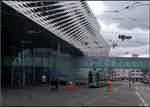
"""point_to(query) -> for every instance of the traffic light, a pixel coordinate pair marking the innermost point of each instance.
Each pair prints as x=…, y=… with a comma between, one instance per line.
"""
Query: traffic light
x=108, y=86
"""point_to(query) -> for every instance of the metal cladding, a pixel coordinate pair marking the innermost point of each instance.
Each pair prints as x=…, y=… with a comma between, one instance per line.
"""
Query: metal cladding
x=72, y=21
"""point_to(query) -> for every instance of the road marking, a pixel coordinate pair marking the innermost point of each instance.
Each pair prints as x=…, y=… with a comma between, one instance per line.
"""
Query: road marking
x=137, y=88
x=142, y=88
x=140, y=104
x=142, y=100
x=147, y=88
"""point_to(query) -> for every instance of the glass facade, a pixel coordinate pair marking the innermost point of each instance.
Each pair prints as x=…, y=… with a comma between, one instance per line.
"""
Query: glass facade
x=30, y=51
x=35, y=63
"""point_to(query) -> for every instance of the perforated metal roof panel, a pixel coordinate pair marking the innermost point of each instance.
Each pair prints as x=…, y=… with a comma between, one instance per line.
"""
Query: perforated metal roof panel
x=72, y=21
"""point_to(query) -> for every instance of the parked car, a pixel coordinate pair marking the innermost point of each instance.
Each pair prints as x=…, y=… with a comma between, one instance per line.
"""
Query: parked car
x=81, y=82
x=141, y=80
x=145, y=81
x=125, y=81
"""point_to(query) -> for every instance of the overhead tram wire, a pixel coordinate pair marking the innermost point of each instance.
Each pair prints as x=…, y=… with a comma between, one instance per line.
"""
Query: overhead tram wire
x=142, y=4
x=133, y=19
x=130, y=7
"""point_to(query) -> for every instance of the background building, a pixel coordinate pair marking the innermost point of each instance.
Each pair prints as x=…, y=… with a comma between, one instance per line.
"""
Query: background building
x=135, y=55
x=122, y=74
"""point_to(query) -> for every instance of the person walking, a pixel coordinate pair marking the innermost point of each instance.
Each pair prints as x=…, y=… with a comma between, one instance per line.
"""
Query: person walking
x=52, y=83
x=56, y=83
x=133, y=82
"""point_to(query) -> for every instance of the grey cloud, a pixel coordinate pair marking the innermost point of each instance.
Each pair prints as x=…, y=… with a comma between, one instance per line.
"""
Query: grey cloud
x=139, y=43
x=127, y=18
x=138, y=50
x=136, y=41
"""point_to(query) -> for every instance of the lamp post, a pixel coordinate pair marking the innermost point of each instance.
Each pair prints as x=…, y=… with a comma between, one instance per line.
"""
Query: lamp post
x=129, y=75
x=118, y=64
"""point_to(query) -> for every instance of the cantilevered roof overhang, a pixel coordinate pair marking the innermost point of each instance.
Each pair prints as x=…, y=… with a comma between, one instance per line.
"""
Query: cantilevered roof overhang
x=72, y=21
x=17, y=28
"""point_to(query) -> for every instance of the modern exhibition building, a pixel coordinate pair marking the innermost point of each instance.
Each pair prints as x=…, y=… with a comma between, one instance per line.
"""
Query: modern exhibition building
x=44, y=38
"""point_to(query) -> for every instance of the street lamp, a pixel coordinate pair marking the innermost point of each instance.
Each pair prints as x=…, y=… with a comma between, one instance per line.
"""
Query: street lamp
x=130, y=75
x=118, y=64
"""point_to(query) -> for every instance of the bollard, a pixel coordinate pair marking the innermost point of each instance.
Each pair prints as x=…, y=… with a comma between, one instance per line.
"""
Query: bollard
x=108, y=88
x=69, y=86
x=108, y=82
x=115, y=90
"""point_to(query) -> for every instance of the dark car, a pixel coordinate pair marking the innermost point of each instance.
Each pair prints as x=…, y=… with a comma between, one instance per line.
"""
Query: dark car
x=145, y=81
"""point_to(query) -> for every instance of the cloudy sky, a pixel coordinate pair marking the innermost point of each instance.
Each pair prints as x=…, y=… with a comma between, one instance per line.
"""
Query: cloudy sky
x=124, y=17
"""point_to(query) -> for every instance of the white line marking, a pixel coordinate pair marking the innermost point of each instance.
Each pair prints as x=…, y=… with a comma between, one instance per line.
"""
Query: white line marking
x=143, y=101
x=140, y=104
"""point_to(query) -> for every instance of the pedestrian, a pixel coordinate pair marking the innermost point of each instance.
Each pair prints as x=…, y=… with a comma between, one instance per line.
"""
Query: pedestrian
x=56, y=83
x=133, y=82
x=52, y=82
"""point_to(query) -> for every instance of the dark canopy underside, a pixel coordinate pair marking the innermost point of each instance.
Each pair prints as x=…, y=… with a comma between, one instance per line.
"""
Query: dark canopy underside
x=17, y=28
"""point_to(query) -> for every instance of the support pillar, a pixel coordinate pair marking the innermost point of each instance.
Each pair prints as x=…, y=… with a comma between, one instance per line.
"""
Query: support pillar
x=58, y=50
x=58, y=59
x=34, y=63
x=23, y=82
x=12, y=78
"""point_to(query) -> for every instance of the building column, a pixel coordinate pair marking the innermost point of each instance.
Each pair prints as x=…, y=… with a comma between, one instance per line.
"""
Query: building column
x=23, y=82
x=58, y=50
x=12, y=78
x=12, y=71
x=33, y=63
x=58, y=55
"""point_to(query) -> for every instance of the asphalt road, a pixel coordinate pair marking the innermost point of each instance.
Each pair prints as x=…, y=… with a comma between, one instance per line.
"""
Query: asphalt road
x=143, y=92
x=83, y=96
